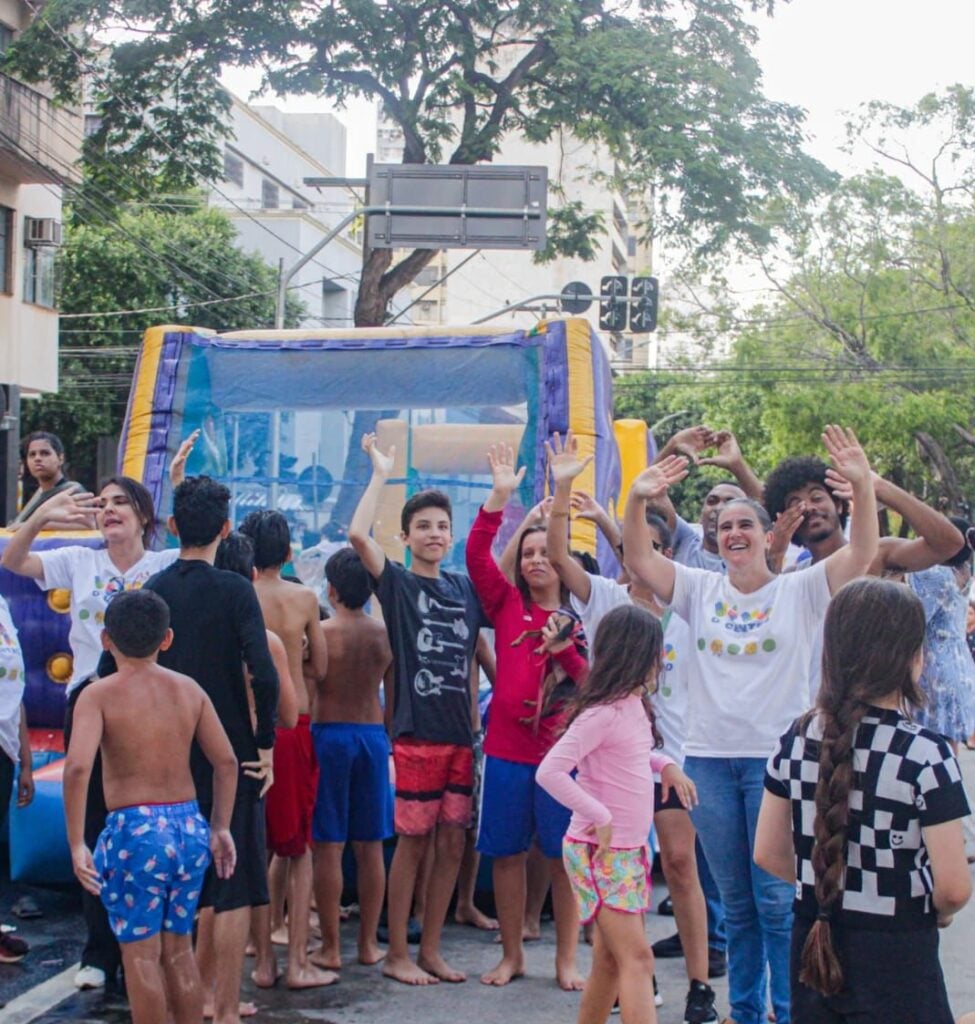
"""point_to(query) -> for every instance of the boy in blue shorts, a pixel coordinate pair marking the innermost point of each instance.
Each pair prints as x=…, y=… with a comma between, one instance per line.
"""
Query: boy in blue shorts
x=151, y=858
x=353, y=803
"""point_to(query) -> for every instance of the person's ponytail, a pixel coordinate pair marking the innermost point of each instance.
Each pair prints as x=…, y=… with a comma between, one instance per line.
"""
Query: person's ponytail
x=819, y=965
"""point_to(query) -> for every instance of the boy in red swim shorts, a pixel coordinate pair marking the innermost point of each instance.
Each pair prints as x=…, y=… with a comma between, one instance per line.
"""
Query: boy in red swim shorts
x=291, y=611
x=432, y=618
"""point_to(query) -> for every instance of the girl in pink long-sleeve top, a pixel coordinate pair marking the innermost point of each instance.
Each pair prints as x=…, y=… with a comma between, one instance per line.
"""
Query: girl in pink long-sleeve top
x=612, y=742
x=524, y=717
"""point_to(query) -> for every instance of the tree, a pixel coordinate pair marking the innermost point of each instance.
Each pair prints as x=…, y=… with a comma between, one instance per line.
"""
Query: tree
x=169, y=265
x=873, y=320
x=668, y=86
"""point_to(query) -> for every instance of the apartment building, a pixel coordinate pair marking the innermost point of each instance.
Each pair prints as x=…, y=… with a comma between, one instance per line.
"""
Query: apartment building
x=39, y=147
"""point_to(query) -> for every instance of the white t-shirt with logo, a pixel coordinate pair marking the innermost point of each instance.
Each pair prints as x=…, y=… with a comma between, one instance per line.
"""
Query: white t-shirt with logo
x=750, y=657
x=93, y=579
x=670, y=700
x=11, y=684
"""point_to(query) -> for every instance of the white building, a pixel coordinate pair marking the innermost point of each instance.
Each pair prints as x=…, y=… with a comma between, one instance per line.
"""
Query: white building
x=495, y=278
x=39, y=146
x=278, y=216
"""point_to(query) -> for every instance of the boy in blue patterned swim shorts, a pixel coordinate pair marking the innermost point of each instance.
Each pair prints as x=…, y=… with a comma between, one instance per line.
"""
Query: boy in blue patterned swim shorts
x=150, y=860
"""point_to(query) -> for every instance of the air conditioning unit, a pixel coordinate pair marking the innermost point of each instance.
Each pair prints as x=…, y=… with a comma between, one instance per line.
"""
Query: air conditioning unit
x=41, y=231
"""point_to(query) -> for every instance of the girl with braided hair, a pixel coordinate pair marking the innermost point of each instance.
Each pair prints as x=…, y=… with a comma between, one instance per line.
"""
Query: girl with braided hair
x=862, y=812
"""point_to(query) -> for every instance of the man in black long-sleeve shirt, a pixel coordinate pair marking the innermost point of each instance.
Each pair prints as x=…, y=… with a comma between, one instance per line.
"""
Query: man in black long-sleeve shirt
x=217, y=629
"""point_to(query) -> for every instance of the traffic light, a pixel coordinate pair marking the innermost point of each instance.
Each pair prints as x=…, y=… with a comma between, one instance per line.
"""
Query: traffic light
x=612, y=303
x=643, y=305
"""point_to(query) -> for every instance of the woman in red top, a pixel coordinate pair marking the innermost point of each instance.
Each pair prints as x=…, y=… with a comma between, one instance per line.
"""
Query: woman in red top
x=522, y=724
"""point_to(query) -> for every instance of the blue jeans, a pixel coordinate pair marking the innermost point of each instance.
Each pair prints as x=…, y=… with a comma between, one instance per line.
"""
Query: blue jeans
x=757, y=906
x=712, y=900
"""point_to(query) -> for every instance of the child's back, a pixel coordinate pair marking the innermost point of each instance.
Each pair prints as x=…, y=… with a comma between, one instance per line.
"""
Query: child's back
x=359, y=656
x=149, y=723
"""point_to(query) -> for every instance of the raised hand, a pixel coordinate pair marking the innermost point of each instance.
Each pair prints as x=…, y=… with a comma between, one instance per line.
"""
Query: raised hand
x=504, y=478
x=728, y=454
x=539, y=513
x=850, y=464
x=585, y=506
x=74, y=509
x=785, y=525
x=564, y=461
x=382, y=464
x=655, y=480
x=690, y=442
x=177, y=468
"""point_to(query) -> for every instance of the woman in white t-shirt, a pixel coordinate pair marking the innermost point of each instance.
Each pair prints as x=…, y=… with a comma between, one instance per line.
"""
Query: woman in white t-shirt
x=751, y=634
x=124, y=514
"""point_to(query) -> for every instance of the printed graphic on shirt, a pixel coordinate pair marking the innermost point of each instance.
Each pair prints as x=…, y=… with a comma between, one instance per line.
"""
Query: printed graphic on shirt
x=739, y=623
x=670, y=663
x=443, y=632
x=105, y=588
x=10, y=659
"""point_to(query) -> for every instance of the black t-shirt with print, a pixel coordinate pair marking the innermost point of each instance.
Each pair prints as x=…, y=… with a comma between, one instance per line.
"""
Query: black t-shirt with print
x=433, y=625
x=905, y=779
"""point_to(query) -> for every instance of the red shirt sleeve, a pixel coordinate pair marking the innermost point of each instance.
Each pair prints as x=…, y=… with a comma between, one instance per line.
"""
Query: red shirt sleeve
x=492, y=586
x=575, y=665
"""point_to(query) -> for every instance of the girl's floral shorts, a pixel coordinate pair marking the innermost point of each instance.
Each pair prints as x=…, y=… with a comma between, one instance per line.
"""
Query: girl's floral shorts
x=619, y=879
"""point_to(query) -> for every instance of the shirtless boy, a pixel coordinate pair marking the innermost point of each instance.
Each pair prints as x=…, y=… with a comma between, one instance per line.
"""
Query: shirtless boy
x=290, y=611
x=354, y=803
x=150, y=860
x=432, y=619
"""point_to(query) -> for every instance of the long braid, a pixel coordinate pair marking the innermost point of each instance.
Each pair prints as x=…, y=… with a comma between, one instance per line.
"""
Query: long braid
x=820, y=967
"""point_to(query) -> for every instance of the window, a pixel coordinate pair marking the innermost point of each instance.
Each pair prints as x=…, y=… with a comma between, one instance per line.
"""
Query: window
x=92, y=123
x=39, y=276
x=270, y=195
x=297, y=203
x=6, y=250
x=619, y=260
x=233, y=168
x=6, y=37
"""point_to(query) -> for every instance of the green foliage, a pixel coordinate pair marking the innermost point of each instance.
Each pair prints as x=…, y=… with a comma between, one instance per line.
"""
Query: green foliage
x=874, y=326
x=668, y=88
x=146, y=260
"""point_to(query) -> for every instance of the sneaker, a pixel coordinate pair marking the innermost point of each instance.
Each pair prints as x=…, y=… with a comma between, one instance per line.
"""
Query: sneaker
x=717, y=963
x=89, y=977
x=658, y=999
x=700, y=1007
x=666, y=907
x=669, y=948
x=12, y=950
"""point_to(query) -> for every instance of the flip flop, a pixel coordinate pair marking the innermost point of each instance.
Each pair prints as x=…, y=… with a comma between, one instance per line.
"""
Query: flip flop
x=25, y=908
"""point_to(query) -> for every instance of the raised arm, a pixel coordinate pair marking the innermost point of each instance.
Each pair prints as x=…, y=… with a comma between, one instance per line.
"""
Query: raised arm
x=936, y=538
x=75, y=509
x=565, y=465
x=217, y=750
x=643, y=563
x=86, y=736
x=850, y=466
x=360, y=529
x=729, y=457
x=585, y=506
x=177, y=468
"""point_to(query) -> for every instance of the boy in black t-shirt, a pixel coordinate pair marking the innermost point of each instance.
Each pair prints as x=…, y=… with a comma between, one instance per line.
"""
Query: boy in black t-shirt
x=432, y=618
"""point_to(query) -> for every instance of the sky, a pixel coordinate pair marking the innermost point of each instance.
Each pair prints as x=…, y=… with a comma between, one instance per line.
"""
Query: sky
x=827, y=56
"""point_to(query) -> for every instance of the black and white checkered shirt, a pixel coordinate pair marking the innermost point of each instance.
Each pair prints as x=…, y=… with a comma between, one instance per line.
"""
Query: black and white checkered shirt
x=905, y=778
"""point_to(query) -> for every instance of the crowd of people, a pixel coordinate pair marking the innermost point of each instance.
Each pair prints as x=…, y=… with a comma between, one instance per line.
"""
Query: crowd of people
x=777, y=693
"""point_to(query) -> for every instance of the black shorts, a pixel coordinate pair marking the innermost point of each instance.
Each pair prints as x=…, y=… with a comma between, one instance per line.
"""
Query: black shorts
x=673, y=800
x=247, y=886
x=889, y=976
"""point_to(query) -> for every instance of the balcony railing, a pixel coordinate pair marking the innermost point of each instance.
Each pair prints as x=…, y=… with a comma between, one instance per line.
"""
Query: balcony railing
x=39, y=141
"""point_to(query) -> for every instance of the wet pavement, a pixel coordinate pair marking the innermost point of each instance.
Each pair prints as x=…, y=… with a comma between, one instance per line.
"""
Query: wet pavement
x=364, y=997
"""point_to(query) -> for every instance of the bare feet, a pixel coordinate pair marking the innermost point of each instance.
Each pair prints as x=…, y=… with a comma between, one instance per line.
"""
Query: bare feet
x=507, y=970
x=329, y=959
x=280, y=936
x=439, y=968
x=310, y=976
x=407, y=972
x=472, y=916
x=265, y=973
x=244, y=1010
x=568, y=977
x=370, y=953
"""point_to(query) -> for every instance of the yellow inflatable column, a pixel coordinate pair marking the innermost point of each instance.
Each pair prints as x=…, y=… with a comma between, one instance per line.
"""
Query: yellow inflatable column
x=631, y=439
